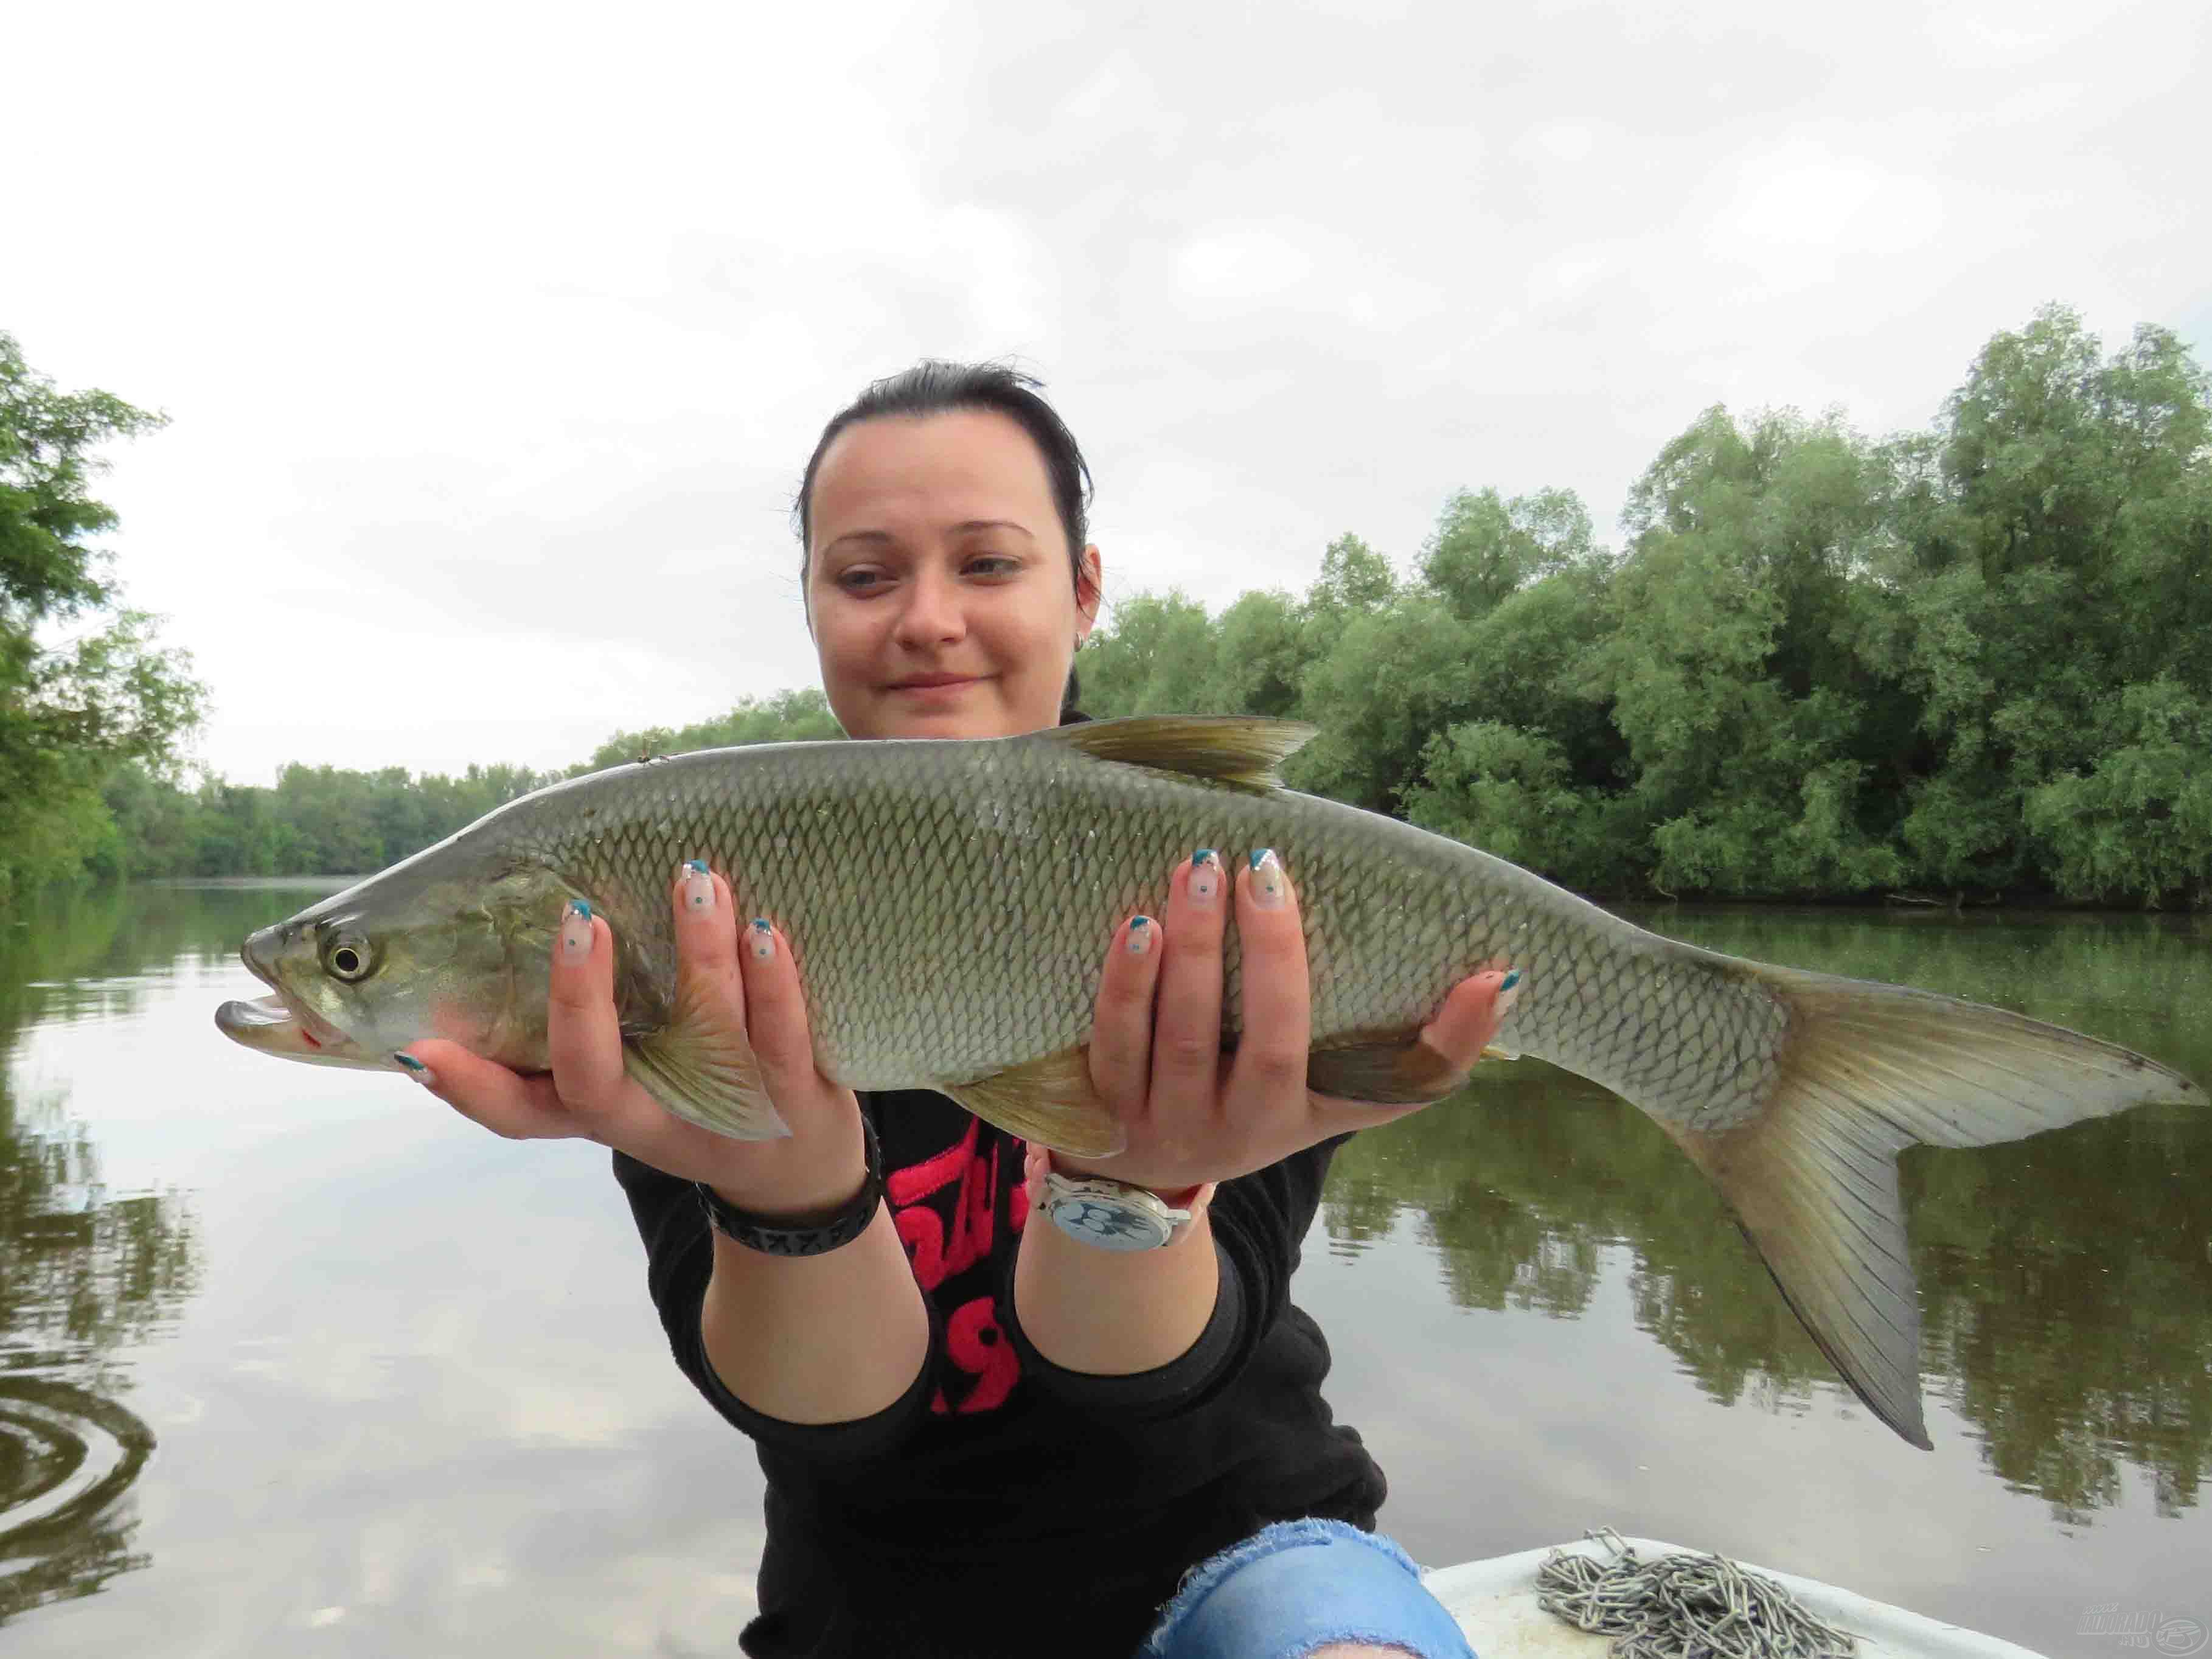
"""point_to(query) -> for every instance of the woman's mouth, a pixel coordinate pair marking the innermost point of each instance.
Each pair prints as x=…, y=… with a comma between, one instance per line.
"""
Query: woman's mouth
x=935, y=682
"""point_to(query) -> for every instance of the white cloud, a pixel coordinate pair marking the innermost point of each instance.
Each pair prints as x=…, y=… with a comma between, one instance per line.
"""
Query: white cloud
x=1244, y=262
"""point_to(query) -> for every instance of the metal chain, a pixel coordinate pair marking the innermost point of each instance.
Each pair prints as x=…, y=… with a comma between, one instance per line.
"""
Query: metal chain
x=1683, y=1606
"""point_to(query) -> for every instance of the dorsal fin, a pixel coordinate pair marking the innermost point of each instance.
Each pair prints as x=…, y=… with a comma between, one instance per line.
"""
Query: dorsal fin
x=1241, y=750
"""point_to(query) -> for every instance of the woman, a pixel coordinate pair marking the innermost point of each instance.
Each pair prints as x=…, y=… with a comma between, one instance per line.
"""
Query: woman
x=983, y=1432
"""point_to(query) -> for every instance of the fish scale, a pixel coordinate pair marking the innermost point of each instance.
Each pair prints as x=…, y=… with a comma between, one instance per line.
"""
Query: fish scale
x=950, y=904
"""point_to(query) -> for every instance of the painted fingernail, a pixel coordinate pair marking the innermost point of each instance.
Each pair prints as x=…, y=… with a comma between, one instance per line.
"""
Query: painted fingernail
x=1140, y=936
x=1268, y=888
x=698, y=888
x=416, y=1069
x=764, y=939
x=1205, y=875
x=576, y=932
x=1509, y=993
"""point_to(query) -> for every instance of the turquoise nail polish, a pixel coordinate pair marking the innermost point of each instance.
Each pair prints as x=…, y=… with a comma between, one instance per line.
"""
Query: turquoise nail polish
x=1510, y=980
x=696, y=867
x=1204, y=855
x=759, y=925
x=580, y=909
x=410, y=1062
x=1136, y=922
x=1260, y=857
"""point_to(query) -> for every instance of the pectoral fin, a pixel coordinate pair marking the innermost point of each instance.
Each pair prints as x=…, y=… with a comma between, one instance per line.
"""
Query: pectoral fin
x=1050, y=1100
x=1398, y=1070
x=700, y=1079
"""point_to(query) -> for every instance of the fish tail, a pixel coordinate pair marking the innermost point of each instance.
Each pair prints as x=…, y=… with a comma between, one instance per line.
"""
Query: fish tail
x=1863, y=1070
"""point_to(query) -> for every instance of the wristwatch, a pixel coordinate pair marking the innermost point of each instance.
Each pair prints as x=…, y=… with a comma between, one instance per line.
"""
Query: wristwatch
x=1110, y=1215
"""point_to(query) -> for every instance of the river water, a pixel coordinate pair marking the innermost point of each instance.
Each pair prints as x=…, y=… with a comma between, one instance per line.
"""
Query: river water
x=294, y=1361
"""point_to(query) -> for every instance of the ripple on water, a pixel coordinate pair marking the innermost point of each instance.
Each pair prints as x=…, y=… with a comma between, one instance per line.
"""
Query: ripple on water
x=66, y=1456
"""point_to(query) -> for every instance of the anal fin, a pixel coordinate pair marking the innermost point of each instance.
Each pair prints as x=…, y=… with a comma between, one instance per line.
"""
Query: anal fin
x=702, y=1081
x=1050, y=1100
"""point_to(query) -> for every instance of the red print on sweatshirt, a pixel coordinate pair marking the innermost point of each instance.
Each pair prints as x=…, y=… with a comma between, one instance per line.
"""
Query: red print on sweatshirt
x=947, y=1209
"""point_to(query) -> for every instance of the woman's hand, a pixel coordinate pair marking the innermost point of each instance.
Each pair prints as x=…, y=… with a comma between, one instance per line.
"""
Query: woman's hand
x=1191, y=1114
x=734, y=981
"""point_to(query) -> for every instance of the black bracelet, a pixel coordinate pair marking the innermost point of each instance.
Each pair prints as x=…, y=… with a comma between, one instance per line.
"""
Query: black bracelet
x=800, y=1238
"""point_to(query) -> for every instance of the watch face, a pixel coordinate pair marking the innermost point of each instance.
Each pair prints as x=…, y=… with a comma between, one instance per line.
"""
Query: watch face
x=1108, y=1224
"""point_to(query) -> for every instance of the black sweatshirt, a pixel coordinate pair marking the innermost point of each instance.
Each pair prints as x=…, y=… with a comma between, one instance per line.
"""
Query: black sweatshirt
x=1005, y=1506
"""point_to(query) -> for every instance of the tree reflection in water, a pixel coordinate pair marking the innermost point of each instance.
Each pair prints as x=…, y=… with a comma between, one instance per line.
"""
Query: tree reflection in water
x=2066, y=1281
x=82, y=1275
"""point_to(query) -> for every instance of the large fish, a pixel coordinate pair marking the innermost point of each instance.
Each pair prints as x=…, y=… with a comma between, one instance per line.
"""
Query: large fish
x=949, y=903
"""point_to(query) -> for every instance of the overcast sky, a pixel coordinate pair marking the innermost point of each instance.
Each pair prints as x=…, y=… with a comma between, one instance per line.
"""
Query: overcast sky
x=493, y=339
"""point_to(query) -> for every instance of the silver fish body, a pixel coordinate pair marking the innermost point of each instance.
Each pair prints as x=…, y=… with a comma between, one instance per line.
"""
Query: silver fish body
x=948, y=904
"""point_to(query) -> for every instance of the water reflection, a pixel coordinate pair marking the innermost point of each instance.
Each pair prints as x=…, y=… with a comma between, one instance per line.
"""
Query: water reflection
x=83, y=1275
x=2066, y=1280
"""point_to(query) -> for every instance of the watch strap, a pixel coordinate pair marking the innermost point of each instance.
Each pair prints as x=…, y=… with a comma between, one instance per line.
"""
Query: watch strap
x=802, y=1236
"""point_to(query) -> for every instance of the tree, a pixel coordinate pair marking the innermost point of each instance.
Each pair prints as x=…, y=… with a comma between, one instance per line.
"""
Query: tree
x=71, y=712
x=2053, y=555
x=1154, y=658
x=1485, y=547
x=1261, y=649
x=1734, y=665
x=1355, y=580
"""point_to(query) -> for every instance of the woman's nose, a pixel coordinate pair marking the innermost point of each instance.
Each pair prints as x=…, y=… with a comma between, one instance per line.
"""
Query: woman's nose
x=932, y=615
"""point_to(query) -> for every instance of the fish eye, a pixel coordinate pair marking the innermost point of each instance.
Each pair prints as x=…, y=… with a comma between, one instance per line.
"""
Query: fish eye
x=348, y=957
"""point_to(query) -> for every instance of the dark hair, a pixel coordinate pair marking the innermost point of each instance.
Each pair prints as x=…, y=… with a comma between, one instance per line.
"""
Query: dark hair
x=936, y=386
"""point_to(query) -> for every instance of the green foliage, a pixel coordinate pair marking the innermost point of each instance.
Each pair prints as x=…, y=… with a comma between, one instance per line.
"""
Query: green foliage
x=1487, y=548
x=1511, y=791
x=2139, y=823
x=1391, y=676
x=70, y=713
x=2053, y=543
x=1262, y=647
x=1355, y=580
x=1734, y=668
x=1156, y=657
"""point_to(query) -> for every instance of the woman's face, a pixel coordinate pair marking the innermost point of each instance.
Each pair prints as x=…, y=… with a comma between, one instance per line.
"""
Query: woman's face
x=939, y=583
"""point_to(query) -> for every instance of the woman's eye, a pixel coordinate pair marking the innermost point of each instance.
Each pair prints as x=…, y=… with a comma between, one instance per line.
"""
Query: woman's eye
x=858, y=582
x=993, y=564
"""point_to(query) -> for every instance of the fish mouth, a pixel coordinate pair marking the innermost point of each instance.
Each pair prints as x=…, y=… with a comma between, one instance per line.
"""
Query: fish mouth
x=270, y=1026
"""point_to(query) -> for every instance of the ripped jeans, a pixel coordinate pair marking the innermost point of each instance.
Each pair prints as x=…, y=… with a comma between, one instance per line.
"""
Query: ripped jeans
x=1299, y=1585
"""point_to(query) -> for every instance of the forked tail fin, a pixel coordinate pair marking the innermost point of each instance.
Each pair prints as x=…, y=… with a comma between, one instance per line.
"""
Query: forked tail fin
x=1866, y=1071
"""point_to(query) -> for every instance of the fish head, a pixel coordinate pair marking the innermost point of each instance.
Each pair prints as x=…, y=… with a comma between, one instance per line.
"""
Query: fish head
x=431, y=948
